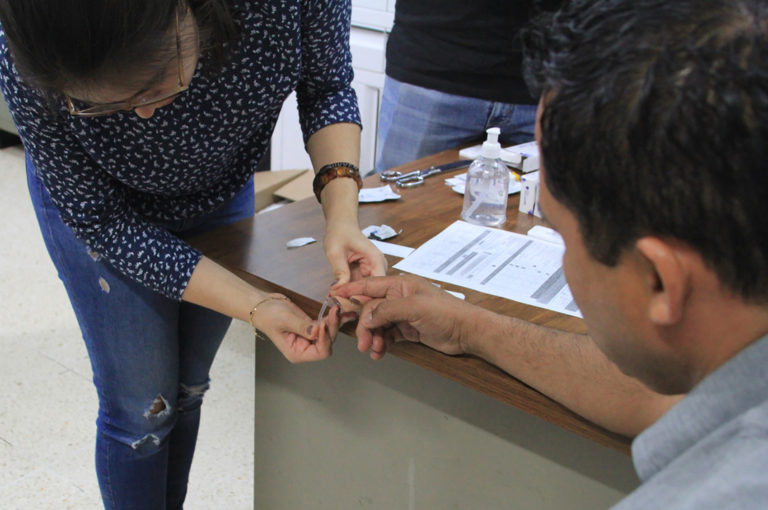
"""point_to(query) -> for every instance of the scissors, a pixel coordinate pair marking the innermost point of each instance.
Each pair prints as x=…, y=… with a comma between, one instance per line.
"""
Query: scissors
x=416, y=178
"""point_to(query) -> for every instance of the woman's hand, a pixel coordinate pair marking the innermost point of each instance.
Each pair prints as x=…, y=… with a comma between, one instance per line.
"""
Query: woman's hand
x=351, y=255
x=296, y=336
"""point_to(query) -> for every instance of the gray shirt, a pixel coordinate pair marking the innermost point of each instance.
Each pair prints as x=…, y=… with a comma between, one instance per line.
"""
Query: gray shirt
x=711, y=449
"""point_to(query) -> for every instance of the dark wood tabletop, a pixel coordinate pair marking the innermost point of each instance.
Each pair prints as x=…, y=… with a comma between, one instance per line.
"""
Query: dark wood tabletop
x=255, y=249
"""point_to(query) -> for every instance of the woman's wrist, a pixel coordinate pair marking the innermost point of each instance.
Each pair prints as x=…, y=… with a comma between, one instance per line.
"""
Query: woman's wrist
x=342, y=221
x=256, y=312
x=340, y=201
x=333, y=171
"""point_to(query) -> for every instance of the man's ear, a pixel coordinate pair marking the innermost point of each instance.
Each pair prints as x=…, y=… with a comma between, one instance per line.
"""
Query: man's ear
x=668, y=280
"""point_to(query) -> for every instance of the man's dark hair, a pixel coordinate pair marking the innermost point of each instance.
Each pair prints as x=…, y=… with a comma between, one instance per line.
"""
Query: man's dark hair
x=655, y=122
x=64, y=43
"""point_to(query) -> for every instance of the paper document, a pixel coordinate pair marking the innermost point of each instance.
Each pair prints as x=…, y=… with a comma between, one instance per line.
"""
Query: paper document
x=496, y=262
x=392, y=249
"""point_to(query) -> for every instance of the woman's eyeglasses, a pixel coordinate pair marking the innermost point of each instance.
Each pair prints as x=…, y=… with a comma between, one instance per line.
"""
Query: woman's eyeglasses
x=110, y=108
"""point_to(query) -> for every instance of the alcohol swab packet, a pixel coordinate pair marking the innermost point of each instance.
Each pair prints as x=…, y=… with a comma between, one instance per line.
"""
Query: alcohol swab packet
x=379, y=232
x=300, y=241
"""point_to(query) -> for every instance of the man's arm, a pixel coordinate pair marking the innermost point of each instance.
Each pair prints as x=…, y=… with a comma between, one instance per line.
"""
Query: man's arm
x=567, y=367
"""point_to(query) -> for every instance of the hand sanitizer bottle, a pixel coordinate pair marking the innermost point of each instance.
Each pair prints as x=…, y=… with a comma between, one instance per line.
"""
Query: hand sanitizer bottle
x=487, y=187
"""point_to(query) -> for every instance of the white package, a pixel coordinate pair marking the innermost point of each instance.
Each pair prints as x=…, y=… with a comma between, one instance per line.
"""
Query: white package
x=529, y=194
x=524, y=157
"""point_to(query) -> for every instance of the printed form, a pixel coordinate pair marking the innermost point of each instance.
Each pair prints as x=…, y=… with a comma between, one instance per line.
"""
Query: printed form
x=497, y=262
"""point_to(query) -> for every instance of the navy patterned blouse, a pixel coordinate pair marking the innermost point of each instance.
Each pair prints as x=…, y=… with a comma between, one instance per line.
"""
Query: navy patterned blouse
x=114, y=178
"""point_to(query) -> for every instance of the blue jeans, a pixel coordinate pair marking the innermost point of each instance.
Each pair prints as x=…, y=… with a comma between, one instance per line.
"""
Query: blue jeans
x=150, y=357
x=415, y=122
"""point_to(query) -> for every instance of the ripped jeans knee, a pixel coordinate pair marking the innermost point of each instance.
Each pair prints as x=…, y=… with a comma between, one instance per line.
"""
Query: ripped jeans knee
x=191, y=396
x=159, y=417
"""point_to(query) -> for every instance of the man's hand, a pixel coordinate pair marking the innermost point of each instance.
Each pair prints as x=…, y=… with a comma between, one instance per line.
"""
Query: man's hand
x=397, y=308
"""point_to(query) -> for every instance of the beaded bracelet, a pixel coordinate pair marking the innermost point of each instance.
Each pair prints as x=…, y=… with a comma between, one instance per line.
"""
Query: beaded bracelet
x=331, y=172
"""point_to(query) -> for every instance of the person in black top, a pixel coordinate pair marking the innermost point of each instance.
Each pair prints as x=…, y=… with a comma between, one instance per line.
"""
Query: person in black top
x=454, y=69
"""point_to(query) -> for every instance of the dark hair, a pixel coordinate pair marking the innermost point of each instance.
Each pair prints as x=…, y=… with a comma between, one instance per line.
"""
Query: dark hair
x=92, y=42
x=655, y=121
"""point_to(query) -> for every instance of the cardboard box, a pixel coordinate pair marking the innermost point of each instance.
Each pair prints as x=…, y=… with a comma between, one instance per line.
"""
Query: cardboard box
x=298, y=188
x=267, y=183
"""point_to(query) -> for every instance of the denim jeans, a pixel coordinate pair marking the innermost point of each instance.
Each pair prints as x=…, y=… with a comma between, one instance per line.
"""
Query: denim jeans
x=150, y=357
x=415, y=122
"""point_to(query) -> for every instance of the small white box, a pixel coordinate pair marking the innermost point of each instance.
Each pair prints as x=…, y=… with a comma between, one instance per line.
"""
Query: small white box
x=529, y=194
x=523, y=157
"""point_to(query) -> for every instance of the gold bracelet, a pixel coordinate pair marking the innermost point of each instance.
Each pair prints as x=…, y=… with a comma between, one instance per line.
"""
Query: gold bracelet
x=260, y=335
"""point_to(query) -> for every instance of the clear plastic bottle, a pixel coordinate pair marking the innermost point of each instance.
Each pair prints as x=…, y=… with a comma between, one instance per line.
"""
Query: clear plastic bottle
x=487, y=187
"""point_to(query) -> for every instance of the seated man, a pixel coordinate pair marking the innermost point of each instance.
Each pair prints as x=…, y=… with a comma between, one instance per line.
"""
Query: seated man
x=652, y=127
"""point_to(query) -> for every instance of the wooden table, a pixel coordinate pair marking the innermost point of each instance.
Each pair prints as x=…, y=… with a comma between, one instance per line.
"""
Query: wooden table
x=255, y=249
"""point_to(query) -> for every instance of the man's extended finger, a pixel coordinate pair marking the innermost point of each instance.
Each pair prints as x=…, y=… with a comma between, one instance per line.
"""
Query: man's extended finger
x=347, y=305
x=376, y=287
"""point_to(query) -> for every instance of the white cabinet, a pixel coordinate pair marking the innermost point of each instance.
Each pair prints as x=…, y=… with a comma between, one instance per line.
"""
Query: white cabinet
x=375, y=14
x=368, y=47
x=368, y=60
x=287, y=148
x=369, y=98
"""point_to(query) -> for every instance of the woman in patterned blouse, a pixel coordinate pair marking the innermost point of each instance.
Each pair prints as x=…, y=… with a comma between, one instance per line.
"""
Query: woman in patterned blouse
x=143, y=122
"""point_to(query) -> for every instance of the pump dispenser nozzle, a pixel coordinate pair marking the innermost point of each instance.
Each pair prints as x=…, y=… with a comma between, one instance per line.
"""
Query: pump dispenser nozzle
x=485, y=194
x=491, y=147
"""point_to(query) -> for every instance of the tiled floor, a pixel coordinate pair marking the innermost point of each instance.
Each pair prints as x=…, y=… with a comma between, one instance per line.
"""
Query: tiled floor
x=48, y=403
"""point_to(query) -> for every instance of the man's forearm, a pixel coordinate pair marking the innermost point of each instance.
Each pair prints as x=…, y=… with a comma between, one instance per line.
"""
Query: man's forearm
x=568, y=368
